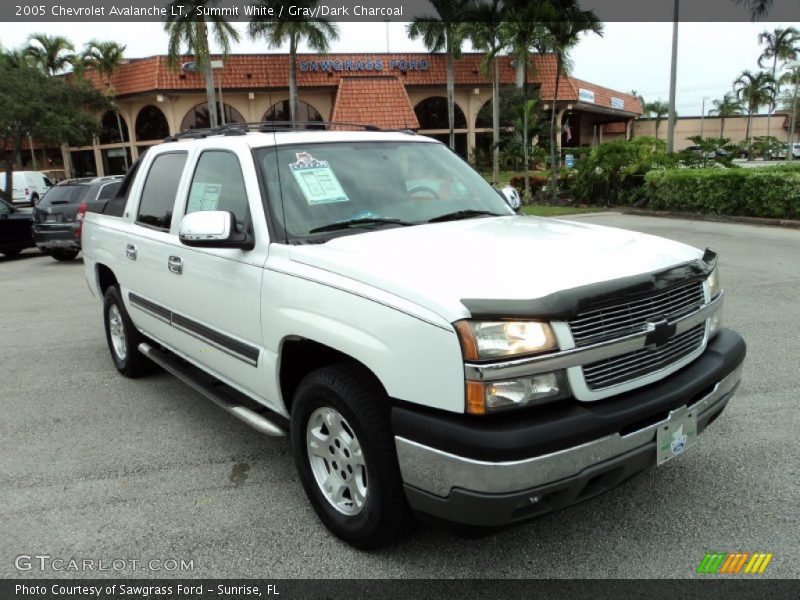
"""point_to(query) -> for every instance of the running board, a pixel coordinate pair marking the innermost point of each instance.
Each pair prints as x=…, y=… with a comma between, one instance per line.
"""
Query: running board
x=190, y=376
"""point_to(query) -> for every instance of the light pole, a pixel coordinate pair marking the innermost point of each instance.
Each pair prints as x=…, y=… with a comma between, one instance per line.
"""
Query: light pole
x=672, y=77
x=795, y=70
x=702, y=115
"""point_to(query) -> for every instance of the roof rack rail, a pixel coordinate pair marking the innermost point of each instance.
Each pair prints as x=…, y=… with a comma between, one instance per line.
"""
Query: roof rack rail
x=272, y=126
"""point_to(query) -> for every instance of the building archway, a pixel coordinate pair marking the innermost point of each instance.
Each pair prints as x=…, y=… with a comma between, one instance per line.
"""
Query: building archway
x=151, y=124
x=432, y=114
x=109, y=129
x=199, y=118
x=280, y=112
x=433, y=122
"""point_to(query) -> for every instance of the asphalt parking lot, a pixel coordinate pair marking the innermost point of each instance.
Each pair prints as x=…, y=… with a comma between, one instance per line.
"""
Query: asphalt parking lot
x=96, y=466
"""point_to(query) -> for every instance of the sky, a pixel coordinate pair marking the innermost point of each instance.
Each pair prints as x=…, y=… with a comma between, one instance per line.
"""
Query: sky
x=629, y=56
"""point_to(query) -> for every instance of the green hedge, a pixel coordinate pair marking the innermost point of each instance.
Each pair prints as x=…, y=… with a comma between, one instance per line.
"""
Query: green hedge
x=771, y=193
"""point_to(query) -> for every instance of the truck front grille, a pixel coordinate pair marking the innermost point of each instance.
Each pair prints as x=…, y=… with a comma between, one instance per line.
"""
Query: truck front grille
x=631, y=317
x=640, y=363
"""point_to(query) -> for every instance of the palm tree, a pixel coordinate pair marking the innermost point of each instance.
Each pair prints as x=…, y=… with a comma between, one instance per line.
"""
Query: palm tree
x=757, y=8
x=485, y=31
x=658, y=110
x=779, y=45
x=52, y=54
x=293, y=29
x=105, y=58
x=184, y=29
x=445, y=33
x=524, y=33
x=565, y=32
x=727, y=106
x=754, y=90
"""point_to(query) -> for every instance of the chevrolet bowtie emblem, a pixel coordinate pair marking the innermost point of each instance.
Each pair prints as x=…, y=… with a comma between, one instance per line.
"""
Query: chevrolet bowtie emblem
x=659, y=332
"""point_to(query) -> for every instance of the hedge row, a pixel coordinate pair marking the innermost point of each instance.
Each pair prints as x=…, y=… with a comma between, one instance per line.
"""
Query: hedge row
x=770, y=193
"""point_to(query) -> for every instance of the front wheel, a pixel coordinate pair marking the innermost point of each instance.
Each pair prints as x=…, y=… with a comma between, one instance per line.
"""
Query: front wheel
x=122, y=337
x=65, y=255
x=345, y=454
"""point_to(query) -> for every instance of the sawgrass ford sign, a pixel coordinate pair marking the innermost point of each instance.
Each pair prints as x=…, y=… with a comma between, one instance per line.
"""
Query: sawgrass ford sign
x=365, y=64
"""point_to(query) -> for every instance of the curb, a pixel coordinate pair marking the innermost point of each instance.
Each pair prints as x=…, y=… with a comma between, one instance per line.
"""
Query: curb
x=787, y=223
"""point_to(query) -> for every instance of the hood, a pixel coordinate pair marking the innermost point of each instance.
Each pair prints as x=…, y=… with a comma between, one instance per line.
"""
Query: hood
x=512, y=258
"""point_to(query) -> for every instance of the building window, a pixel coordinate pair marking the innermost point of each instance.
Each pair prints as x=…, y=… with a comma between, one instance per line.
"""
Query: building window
x=198, y=117
x=151, y=124
x=83, y=163
x=109, y=128
x=432, y=114
x=114, y=160
x=280, y=112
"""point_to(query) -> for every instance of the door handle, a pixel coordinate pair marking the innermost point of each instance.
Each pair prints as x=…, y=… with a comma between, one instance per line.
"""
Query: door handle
x=175, y=264
x=131, y=251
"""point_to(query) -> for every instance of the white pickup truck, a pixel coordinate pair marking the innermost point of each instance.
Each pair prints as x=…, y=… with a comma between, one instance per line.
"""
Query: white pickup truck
x=426, y=349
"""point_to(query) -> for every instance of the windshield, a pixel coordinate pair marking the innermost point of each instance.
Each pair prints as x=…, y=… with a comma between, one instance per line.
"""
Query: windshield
x=353, y=187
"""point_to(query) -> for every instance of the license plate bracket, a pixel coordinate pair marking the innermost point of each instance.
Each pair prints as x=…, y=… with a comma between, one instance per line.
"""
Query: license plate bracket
x=677, y=434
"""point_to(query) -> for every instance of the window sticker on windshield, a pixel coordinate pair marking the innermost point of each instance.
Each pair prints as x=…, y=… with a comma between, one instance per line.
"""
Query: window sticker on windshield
x=317, y=180
x=204, y=196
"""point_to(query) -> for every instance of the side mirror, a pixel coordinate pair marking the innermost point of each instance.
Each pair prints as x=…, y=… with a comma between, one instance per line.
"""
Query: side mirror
x=511, y=196
x=213, y=229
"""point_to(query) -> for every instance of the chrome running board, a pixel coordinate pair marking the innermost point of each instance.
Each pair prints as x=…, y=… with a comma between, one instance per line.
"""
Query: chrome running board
x=191, y=376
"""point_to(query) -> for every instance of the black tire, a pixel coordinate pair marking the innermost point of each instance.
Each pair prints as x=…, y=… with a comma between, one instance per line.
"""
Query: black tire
x=133, y=363
x=11, y=253
x=64, y=255
x=354, y=394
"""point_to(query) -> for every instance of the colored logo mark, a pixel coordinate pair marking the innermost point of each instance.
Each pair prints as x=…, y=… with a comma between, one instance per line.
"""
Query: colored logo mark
x=734, y=562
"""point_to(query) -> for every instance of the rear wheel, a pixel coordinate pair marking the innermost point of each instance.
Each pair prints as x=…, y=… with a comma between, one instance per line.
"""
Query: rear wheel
x=345, y=454
x=122, y=337
x=65, y=255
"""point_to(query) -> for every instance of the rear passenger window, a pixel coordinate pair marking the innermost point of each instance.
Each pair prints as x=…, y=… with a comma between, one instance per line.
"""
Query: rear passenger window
x=160, y=189
x=218, y=184
x=109, y=190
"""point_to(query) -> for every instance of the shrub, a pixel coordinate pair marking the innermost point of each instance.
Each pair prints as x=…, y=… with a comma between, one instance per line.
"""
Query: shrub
x=613, y=173
x=770, y=192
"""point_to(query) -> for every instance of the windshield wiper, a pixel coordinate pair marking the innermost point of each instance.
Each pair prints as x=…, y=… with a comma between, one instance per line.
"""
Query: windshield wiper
x=357, y=223
x=463, y=214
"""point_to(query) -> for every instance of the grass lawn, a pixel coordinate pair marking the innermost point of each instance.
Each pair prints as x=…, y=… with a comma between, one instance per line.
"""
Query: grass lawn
x=558, y=211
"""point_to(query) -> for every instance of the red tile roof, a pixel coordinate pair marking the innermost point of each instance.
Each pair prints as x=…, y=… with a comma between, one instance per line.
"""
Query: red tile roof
x=270, y=71
x=376, y=100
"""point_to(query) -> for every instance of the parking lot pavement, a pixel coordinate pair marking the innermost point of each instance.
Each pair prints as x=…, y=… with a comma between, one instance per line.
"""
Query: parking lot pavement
x=96, y=466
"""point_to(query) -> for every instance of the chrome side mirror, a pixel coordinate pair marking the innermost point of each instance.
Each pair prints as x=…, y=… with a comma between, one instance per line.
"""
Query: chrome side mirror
x=511, y=196
x=212, y=229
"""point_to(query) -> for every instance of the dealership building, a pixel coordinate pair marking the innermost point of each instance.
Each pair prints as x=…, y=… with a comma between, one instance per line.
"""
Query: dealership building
x=402, y=91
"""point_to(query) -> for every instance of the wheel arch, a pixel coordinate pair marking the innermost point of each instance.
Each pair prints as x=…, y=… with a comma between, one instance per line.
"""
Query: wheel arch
x=300, y=356
x=105, y=278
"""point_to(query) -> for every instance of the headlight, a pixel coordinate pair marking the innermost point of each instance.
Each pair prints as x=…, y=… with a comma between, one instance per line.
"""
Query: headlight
x=714, y=284
x=714, y=288
x=485, y=340
x=496, y=396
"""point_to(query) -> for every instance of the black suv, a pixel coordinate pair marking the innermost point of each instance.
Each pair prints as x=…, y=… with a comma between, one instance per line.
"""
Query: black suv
x=15, y=229
x=58, y=217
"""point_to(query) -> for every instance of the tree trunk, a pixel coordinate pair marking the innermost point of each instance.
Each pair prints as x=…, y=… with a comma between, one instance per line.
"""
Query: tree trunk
x=747, y=136
x=18, y=151
x=721, y=127
x=525, y=150
x=553, y=134
x=770, y=105
x=292, y=78
x=9, y=169
x=451, y=117
x=496, y=123
x=209, y=77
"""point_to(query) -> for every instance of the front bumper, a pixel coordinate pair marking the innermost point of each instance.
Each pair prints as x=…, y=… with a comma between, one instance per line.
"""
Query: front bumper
x=516, y=469
x=56, y=237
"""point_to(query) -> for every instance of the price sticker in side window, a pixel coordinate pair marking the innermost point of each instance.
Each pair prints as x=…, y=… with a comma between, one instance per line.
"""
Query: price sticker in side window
x=317, y=180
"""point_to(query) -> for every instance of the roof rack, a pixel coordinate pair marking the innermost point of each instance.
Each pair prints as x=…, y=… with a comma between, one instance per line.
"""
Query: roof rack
x=272, y=126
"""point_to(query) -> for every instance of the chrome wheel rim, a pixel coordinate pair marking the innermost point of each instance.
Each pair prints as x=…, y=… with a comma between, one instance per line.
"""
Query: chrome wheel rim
x=337, y=461
x=116, y=329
